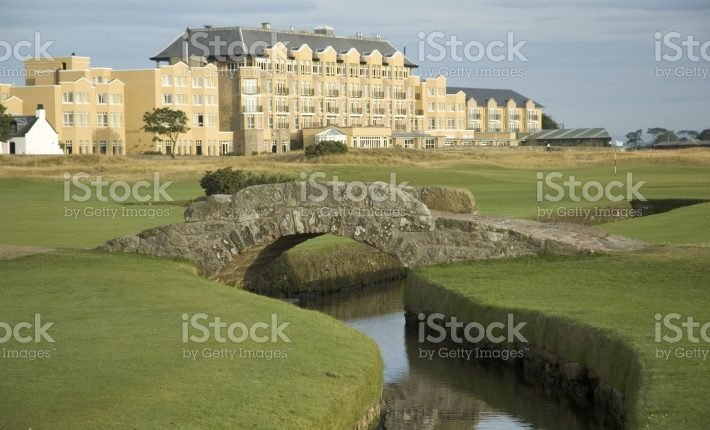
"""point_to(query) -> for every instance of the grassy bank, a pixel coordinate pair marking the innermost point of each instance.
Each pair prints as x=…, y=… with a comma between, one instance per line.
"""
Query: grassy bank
x=591, y=310
x=327, y=264
x=118, y=359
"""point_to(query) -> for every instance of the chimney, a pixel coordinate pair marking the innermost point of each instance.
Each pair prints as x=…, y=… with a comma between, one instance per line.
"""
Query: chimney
x=185, y=51
x=266, y=26
x=40, y=112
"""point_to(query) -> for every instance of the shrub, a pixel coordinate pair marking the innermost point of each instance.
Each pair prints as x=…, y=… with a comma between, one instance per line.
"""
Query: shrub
x=325, y=147
x=228, y=181
x=152, y=153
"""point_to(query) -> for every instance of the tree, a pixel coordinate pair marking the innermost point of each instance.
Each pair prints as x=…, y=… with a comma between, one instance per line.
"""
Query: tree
x=687, y=134
x=5, y=120
x=633, y=138
x=168, y=123
x=655, y=132
x=666, y=136
x=704, y=135
x=548, y=123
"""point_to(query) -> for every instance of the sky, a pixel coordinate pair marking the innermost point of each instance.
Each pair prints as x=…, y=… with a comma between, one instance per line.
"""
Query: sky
x=590, y=63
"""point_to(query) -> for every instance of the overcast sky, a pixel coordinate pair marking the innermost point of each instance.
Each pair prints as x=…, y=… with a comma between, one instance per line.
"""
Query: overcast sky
x=590, y=63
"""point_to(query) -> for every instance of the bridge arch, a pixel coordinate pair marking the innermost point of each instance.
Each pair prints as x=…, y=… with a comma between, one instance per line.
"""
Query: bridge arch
x=223, y=233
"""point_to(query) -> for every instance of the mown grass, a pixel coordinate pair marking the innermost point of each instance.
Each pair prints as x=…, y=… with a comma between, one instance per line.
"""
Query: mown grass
x=582, y=307
x=118, y=357
x=684, y=225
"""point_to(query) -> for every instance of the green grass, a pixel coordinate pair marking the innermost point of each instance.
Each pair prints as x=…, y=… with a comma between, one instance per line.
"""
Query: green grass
x=118, y=357
x=684, y=225
x=587, y=309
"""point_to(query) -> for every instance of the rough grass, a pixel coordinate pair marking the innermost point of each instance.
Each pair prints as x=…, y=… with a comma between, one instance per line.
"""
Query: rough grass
x=118, y=357
x=582, y=307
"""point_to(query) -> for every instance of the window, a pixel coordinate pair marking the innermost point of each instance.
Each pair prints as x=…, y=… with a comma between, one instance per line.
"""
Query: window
x=167, y=99
x=430, y=144
x=68, y=147
x=180, y=99
x=116, y=119
x=197, y=82
x=432, y=123
x=167, y=81
x=68, y=119
x=197, y=99
x=180, y=81
x=102, y=119
x=116, y=99
x=211, y=120
x=68, y=97
x=82, y=98
x=198, y=120
x=82, y=119
x=101, y=98
x=409, y=143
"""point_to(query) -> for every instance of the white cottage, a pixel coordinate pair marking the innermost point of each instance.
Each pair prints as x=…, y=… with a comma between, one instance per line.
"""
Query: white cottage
x=32, y=135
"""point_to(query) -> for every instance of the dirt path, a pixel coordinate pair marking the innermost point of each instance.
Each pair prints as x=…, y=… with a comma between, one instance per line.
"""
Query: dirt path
x=8, y=252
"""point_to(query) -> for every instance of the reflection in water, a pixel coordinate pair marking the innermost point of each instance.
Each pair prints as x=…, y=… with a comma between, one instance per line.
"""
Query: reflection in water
x=441, y=393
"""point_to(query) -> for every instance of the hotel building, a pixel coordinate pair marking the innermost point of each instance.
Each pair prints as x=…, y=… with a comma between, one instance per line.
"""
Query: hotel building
x=256, y=90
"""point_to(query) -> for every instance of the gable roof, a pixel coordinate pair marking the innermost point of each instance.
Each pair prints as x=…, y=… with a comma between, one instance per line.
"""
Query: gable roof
x=23, y=125
x=256, y=40
x=571, y=133
x=501, y=96
x=331, y=131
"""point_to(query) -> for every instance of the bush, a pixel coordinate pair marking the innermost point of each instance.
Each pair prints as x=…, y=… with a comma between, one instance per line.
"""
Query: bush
x=325, y=147
x=228, y=181
x=152, y=153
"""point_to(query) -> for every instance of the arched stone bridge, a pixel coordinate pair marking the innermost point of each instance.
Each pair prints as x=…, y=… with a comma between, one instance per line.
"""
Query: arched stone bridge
x=235, y=237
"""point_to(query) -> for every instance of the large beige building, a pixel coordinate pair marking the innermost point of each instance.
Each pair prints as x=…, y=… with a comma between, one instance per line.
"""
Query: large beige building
x=256, y=90
x=179, y=86
x=279, y=89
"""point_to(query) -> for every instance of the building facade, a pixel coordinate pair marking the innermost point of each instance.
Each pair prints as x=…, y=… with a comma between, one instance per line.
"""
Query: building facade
x=278, y=89
x=257, y=90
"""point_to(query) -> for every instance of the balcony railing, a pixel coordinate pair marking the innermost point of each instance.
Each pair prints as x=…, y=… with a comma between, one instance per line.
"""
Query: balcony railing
x=282, y=109
x=281, y=91
x=378, y=111
x=308, y=92
x=308, y=109
x=251, y=90
x=400, y=95
x=378, y=94
x=355, y=111
x=332, y=93
x=332, y=111
x=400, y=112
x=356, y=94
x=252, y=109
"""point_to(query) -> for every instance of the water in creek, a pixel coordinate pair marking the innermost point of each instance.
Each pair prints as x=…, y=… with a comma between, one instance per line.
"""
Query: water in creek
x=442, y=393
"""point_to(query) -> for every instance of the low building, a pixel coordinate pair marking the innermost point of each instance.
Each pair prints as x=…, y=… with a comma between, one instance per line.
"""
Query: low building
x=32, y=135
x=569, y=137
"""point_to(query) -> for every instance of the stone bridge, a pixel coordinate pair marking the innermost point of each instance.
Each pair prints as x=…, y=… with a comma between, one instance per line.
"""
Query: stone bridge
x=234, y=238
